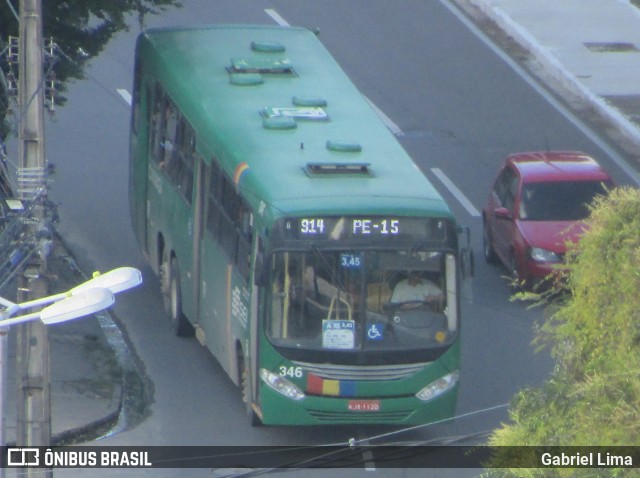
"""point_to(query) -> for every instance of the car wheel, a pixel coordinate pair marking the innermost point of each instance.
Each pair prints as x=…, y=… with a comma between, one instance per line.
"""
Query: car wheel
x=487, y=246
x=514, y=276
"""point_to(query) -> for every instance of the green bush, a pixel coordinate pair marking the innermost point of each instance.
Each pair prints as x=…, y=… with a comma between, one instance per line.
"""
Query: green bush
x=593, y=395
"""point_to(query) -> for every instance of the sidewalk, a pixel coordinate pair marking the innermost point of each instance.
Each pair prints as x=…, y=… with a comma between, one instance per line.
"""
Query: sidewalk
x=86, y=376
x=586, y=49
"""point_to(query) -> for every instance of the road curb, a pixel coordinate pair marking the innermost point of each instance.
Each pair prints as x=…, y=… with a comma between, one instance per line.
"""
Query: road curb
x=553, y=67
x=135, y=390
x=82, y=389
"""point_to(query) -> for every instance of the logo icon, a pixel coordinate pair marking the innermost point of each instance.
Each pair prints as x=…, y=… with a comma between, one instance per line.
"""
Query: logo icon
x=375, y=331
x=23, y=457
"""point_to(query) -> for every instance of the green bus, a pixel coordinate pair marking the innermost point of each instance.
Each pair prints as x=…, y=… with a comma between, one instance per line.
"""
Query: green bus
x=281, y=215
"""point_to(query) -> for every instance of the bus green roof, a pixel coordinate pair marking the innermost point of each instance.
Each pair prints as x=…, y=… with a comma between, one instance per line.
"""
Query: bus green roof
x=286, y=121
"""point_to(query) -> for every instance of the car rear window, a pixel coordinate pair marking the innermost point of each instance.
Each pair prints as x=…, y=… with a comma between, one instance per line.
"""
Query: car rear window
x=559, y=201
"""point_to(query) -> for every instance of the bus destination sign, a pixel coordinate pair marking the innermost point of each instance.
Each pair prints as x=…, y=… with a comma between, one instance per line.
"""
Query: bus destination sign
x=353, y=227
x=357, y=226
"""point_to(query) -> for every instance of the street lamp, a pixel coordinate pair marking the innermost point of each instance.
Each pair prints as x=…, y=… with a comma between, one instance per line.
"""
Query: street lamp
x=116, y=280
x=90, y=297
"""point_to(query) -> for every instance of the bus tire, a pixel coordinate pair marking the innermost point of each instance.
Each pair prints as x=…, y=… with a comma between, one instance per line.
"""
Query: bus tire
x=254, y=419
x=165, y=283
x=180, y=324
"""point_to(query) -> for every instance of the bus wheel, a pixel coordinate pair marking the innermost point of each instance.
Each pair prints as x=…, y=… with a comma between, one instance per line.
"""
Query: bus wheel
x=254, y=419
x=165, y=284
x=181, y=326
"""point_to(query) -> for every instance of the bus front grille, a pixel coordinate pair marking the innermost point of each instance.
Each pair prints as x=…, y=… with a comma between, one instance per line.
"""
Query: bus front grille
x=362, y=372
x=351, y=417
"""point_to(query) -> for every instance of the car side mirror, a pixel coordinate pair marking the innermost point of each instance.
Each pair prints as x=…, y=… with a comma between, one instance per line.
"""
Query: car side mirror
x=502, y=213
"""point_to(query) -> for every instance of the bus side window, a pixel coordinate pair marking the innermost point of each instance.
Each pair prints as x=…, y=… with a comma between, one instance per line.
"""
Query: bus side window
x=244, y=225
x=260, y=272
x=137, y=92
x=184, y=159
x=229, y=220
x=213, y=199
x=156, y=123
x=228, y=231
x=167, y=142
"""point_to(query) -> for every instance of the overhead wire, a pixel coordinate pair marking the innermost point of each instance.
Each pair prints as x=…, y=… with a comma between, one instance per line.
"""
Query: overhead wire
x=352, y=454
x=89, y=76
x=13, y=10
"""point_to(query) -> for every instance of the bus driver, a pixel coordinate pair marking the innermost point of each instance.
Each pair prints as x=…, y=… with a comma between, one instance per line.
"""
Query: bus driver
x=415, y=288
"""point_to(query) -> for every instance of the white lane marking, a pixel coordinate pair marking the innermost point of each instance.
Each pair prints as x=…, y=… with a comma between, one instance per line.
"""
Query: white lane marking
x=276, y=17
x=126, y=96
x=369, y=465
x=453, y=189
x=385, y=119
x=394, y=128
x=588, y=132
x=367, y=455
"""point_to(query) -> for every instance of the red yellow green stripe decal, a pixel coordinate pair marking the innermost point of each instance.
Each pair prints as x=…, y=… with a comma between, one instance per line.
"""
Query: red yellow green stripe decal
x=337, y=388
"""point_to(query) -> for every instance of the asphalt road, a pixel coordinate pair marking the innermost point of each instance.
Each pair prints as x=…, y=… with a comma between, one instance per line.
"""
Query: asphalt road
x=456, y=106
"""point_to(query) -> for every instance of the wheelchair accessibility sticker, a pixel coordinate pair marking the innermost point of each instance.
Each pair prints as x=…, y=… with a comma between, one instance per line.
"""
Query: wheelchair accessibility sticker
x=375, y=331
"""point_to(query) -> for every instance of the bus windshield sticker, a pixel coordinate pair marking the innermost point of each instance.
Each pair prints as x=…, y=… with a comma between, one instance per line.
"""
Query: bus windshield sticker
x=375, y=331
x=350, y=261
x=338, y=334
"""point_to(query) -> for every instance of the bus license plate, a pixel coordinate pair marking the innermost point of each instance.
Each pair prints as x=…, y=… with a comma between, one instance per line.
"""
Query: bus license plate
x=364, y=405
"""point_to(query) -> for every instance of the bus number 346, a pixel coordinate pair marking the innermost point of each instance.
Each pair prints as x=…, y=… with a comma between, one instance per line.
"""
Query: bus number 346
x=294, y=372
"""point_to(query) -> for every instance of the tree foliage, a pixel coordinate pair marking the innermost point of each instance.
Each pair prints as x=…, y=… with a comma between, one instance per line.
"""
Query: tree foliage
x=593, y=395
x=80, y=28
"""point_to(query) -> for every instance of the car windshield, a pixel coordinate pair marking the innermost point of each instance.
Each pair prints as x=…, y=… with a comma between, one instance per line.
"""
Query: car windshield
x=559, y=201
x=363, y=300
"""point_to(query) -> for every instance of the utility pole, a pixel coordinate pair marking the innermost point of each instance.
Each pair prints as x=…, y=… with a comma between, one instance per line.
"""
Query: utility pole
x=34, y=406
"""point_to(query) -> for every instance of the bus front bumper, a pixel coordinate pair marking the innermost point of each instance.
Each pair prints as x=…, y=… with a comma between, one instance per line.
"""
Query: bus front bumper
x=315, y=410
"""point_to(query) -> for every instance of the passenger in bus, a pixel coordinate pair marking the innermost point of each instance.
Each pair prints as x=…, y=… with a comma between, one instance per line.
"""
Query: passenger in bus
x=416, y=289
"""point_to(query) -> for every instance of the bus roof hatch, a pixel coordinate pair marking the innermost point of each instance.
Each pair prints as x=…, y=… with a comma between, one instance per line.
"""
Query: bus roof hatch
x=280, y=66
x=338, y=169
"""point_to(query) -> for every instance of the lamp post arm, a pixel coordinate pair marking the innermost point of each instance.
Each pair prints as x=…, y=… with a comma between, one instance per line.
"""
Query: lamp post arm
x=6, y=303
x=116, y=280
x=35, y=303
x=20, y=319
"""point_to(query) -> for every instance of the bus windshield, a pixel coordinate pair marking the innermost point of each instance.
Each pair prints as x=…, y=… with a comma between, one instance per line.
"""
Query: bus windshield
x=363, y=302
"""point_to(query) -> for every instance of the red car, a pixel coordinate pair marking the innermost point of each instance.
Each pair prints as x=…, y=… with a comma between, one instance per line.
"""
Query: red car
x=537, y=204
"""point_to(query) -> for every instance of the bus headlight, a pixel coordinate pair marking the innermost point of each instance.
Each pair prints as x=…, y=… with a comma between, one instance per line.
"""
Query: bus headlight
x=281, y=385
x=438, y=387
